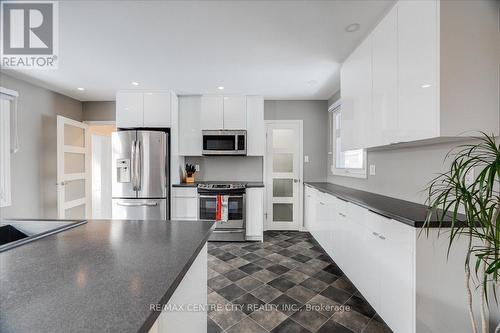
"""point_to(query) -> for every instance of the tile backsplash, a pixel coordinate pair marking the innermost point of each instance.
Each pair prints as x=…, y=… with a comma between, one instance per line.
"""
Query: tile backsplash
x=228, y=168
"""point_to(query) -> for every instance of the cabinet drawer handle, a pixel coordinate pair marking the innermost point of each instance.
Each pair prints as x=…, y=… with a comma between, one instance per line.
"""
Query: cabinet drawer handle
x=381, y=237
x=343, y=215
x=376, y=234
x=321, y=203
x=379, y=214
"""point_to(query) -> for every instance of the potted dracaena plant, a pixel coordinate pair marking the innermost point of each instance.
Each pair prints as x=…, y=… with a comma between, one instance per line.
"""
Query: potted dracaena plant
x=473, y=207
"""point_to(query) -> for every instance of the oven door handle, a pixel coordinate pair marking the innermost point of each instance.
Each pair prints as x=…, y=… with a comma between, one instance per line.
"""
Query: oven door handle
x=215, y=196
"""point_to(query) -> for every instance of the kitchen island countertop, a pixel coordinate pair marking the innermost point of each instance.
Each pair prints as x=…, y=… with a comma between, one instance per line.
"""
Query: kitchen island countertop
x=100, y=276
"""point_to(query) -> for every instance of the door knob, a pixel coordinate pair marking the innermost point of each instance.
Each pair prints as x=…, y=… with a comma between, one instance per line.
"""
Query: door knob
x=295, y=180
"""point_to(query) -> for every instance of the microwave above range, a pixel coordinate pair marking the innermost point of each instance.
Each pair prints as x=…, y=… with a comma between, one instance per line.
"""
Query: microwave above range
x=224, y=142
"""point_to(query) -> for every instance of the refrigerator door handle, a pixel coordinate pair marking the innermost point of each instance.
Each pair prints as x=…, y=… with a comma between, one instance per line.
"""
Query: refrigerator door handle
x=131, y=204
x=133, y=165
x=138, y=161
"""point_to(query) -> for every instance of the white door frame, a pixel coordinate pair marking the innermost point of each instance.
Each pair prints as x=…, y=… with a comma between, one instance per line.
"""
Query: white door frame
x=267, y=222
x=99, y=122
x=94, y=123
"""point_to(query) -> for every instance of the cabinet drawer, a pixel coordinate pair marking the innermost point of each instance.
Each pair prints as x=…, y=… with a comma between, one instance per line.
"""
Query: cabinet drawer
x=394, y=231
x=342, y=207
x=191, y=192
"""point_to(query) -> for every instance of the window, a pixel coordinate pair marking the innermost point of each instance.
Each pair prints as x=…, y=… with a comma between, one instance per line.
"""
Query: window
x=350, y=163
x=4, y=152
x=8, y=99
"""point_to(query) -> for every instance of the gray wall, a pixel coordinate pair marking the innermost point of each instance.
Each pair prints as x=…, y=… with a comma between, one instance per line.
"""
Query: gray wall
x=401, y=173
x=315, y=119
x=34, y=167
x=228, y=168
x=99, y=111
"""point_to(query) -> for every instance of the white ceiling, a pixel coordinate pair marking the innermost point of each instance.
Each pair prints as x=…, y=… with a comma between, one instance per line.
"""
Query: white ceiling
x=278, y=49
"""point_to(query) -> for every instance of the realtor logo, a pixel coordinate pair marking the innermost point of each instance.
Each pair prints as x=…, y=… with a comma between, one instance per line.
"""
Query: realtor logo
x=29, y=32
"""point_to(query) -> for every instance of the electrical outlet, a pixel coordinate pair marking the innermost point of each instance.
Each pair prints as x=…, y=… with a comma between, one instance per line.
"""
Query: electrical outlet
x=197, y=167
x=306, y=158
x=469, y=177
x=372, y=169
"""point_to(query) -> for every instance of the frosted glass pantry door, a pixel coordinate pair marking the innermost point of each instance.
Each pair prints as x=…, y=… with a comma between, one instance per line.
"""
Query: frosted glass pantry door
x=283, y=175
x=73, y=169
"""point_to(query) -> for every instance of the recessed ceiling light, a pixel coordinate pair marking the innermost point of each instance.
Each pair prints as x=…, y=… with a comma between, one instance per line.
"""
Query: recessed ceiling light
x=134, y=83
x=425, y=85
x=352, y=27
x=81, y=89
x=220, y=87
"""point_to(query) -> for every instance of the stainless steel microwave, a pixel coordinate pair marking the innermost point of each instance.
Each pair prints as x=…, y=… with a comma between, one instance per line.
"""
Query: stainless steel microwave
x=224, y=142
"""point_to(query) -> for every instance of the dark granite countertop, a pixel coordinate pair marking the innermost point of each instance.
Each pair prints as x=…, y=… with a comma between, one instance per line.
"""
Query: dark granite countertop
x=410, y=213
x=101, y=276
x=247, y=184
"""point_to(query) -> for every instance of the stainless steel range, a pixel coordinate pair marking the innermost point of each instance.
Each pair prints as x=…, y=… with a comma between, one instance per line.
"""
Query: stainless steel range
x=232, y=229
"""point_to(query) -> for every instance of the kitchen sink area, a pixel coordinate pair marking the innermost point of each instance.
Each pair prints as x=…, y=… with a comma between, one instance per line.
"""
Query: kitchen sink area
x=17, y=232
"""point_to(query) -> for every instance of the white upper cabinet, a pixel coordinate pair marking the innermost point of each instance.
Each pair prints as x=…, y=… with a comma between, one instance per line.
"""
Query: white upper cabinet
x=256, y=132
x=356, y=114
x=384, y=114
x=418, y=60
x=395, y=88
x=129, y=109
x=190, y=140
x=235, y=111
x=157, y=109
x=212, y=112
x=223, y=112
x=143, y=109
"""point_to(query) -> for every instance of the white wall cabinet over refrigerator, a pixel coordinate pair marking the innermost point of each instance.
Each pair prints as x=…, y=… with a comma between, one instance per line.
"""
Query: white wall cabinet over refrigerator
x=406, y=278
x=396, y=88
x=144, y=109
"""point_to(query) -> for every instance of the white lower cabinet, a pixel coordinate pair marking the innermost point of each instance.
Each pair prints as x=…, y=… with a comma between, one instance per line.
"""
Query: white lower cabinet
x=309, y=209
x=403, y=274
x=183, y=312
x=254, y=213
x=184, y=203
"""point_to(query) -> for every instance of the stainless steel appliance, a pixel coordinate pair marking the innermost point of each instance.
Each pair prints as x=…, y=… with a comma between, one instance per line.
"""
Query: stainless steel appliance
x=234, y=228
x=140, y=175
x=225, y=142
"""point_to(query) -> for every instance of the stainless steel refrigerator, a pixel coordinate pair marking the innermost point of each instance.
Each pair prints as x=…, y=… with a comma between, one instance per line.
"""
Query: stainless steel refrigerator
x=140, y=175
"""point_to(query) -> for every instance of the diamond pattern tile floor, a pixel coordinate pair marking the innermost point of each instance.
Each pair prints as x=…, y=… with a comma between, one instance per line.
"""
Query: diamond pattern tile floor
x=284, y=284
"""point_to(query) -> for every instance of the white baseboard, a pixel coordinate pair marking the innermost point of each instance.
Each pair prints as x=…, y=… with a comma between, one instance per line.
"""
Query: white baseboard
x=255, y=238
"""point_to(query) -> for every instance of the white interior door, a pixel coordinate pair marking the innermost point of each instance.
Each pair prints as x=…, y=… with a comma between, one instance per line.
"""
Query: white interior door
x=73, y=169
x=284, y=174
x=101, y=176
